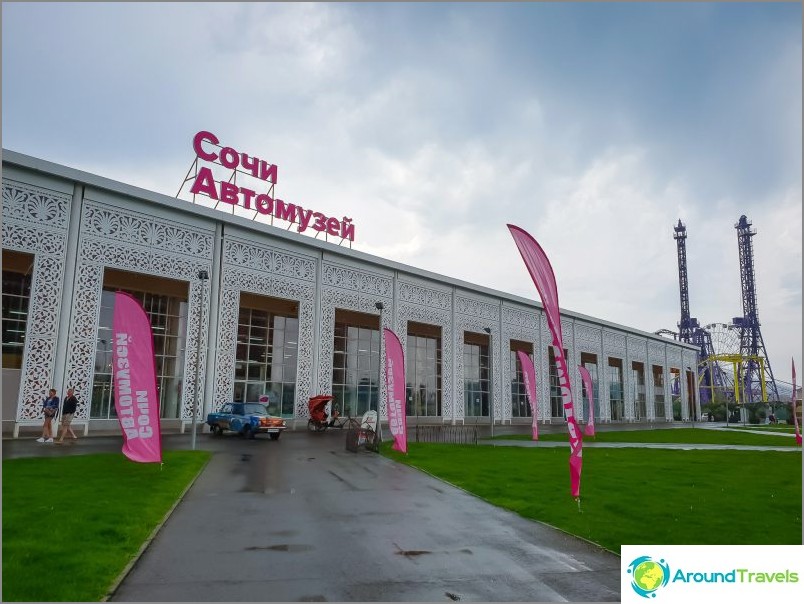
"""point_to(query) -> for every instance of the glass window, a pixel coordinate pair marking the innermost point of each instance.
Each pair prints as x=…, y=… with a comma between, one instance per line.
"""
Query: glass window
x=556, y=401
x=640, y=398
x=168, y=317
x=589, y=361
x=356, y=354
x=266, y=360
x=616, y=400
x=423, y=379
x=16, y=299
x=520, y=407
x=658, y=392
x=675, y=393
x=476, y=380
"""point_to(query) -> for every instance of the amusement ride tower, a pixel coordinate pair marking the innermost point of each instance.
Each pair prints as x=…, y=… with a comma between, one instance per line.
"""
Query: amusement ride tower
x=687, y=325
x=756, y=377
x=689, y=329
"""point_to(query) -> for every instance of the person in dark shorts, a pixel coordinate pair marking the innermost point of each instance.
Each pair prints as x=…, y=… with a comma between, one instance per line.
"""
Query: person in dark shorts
x=50, y=407
x=67, y=413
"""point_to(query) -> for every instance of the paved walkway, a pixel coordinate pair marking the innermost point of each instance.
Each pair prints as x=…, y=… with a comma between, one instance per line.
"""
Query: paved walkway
x=774, y=432
x=301, y=519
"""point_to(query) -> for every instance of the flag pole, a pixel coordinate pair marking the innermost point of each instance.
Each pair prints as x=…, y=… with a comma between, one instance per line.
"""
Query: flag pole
x=491, y=385
x=379, y=306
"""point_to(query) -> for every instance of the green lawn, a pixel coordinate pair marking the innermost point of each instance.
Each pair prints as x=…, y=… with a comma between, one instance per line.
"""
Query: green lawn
x=671, y=435
x=633, y=496
x=71, y=524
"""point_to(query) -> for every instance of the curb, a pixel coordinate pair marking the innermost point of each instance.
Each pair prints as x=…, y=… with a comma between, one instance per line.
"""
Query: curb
x=131, y=563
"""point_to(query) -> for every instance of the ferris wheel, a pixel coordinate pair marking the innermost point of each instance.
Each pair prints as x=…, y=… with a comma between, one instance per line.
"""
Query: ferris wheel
x=722, y=367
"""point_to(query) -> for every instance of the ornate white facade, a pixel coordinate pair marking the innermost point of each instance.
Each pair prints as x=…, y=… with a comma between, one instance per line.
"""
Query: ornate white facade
x=77, y=225
x=35, y=221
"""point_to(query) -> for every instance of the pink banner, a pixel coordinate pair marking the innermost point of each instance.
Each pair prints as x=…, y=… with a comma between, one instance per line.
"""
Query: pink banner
x=529, y=376
x=795, y=414
x=543, y=277
x=134, y=374
x=395, y=389
x=590, y=394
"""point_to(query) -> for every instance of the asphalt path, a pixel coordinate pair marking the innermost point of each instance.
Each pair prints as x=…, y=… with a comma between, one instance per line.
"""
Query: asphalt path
x=302, y=519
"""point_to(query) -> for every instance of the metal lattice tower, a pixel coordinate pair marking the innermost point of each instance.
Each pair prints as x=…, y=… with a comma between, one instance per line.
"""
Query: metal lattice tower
x=689, y=330
x=751, y=343
x=687, y=325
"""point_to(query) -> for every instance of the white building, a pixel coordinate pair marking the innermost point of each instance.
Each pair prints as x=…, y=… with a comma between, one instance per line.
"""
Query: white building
x=281, y=314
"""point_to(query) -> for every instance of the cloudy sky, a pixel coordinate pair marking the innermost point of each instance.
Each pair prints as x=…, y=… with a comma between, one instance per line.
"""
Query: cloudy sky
x=595, y=127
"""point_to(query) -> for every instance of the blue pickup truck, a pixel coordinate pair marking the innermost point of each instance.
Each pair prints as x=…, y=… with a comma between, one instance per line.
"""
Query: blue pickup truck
x=247, y=419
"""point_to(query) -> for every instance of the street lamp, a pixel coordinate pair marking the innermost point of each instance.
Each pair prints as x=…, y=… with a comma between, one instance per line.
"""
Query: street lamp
x=491, y=386
x=379, y=306
x=202, y=277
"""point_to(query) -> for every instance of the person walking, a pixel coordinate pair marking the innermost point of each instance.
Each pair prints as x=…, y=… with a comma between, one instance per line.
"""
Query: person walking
x=50, y=407
x=67, y=413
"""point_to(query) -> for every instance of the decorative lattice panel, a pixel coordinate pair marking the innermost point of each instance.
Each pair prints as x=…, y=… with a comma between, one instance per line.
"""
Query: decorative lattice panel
x=332, y=299
x=523, y=325
x=433, y=307
x=475, y=315
x=266, y=271
x=141, y=243
x=35, y=221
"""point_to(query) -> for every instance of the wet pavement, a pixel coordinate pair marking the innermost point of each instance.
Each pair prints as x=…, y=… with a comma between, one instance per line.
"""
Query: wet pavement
x=302, y=519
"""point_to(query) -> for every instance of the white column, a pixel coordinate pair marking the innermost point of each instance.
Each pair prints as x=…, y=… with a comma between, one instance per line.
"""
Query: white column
x=573, y=362
x=502, y=379
x=315, y=387
x=60, y=378
x=603, y=383
x=668, y=391
x=650, y=403
x=455, y=353
x=216, y=278
x=682, y=376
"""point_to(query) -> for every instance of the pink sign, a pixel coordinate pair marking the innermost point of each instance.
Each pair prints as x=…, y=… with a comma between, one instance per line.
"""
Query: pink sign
x=590, y=394
x=543, y=277
x=136, y=399
x=529, y=376
x=395, y=388
x=264, y=204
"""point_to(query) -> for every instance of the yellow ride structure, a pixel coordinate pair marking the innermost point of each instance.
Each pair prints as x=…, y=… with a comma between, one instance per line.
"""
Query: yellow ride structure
x=738, y=363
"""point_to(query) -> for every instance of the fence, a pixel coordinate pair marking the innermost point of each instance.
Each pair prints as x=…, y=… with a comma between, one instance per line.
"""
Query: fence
x=452, y=435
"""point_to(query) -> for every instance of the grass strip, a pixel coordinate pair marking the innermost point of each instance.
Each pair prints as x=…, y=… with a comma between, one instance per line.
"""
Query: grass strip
x=632, y=496
x=697, y=436
x=72, y=524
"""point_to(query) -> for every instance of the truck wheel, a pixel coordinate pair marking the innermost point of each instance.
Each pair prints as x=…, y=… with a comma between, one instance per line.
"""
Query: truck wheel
x=275, y=436
x=217, y=430
x=249, y=432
